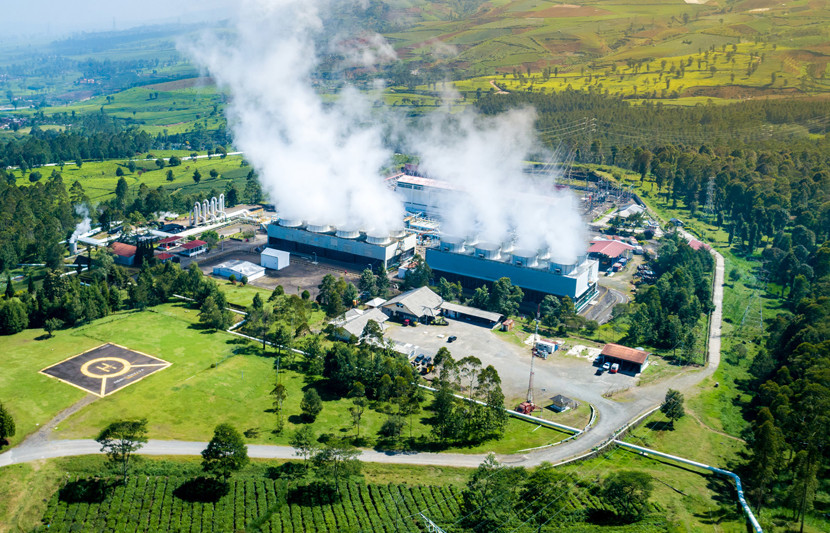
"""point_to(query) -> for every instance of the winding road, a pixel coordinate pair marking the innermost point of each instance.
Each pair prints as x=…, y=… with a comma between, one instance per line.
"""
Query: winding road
x=613, y=416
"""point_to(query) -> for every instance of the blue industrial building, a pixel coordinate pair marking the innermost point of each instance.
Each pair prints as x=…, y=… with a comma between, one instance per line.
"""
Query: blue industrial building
x=537, y=276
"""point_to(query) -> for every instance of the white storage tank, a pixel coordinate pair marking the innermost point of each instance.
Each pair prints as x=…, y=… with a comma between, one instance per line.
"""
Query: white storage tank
x=318, y=228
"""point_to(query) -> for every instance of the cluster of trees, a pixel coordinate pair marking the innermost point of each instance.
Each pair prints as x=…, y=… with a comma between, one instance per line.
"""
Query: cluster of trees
x=511, y=498
x=479, y=417
x=336, y=295
x=666, y=313
x=788, y=438
x=374, y=284
x=33, y=221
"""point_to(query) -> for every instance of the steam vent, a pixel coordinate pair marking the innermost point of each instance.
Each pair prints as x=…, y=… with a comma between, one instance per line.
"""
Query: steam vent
x=346, y=244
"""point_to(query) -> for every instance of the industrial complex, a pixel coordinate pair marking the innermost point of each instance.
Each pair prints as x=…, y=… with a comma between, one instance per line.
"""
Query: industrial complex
x=473, y=263
x=343, y=244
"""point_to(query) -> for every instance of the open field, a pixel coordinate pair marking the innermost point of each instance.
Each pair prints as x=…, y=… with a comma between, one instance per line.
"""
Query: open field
x=213, y=378
x=98, y=178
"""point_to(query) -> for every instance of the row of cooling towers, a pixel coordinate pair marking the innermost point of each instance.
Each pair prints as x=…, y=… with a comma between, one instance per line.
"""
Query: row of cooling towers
x=504, y=253
x=507, y=253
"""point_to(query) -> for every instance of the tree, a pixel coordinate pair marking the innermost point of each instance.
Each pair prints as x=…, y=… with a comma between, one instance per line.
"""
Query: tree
x=627, y=492
x=367, y=283
x=278, y=393
x=7, y=427
x=212, y=316
x=121, y=191
x=121, y=438
x=311, y=404
x=359, y=402
x=119, y=171
x=505, y=297
x=392, y=427
x=767, y=447
x=304, y=442
x=544, y=480
x=225, y=453
x=419, y=275
x=803, y=489
x=197, y=176
x=672, y=406
x=214, y=173
x=335, y=461
x=492, y=495
x=372, y=330
x=170, y=176
x=13, y=317
x=52, y=324
x=160, y=163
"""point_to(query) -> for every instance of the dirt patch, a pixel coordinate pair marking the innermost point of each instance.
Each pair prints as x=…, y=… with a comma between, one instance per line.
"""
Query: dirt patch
x=565, y=10
x=182, y=84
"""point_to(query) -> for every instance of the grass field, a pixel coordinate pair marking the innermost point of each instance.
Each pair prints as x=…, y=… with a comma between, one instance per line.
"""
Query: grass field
x=214, y=377
x=98, y=178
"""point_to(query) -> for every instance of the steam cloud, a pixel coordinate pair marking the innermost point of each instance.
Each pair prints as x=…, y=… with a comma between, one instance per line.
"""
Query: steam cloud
x=84, y=225
x=484, y=157
x=320, y=162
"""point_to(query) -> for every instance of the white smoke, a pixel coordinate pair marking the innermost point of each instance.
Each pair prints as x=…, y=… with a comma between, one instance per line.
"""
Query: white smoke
x=84, y=226
x=483, y=157
x=320, y=162
x=317, y=161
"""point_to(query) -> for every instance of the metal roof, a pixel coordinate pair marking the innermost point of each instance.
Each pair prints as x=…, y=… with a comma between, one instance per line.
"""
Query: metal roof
x=123, y=249
x=417, y=302
x=471, y=311
x=193, y=244
x=609, y=248
x=625, y=353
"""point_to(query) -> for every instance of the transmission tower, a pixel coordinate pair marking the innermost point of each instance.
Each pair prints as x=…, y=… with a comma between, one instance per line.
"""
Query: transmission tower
x=431, y=526
x=760, y=286
x=710, y=196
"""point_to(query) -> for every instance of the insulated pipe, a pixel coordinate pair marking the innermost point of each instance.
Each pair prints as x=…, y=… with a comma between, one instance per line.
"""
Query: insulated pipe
x=747, y=511
x=222, y=203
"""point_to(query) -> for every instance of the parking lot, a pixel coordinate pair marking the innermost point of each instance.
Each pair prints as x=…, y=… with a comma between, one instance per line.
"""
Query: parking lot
x=559, y=374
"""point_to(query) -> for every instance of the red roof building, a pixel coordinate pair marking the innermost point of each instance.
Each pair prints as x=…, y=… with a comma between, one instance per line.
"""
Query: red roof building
x=696, y=245
x=629, y=359
x=163, y=256
x=124, y=253
x=192, y=248
x=609, y=251
x=169, y=242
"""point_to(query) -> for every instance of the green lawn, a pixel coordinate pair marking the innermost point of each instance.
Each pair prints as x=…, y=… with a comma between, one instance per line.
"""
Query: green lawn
x=214, y=377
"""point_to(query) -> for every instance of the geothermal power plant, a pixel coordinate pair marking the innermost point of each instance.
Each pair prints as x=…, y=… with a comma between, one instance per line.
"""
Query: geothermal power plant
x=345, y=244
x=470, y=261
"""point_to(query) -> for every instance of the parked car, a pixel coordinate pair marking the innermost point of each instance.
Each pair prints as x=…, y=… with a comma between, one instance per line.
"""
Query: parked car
x=419, y=358
x=615, y=368
x=452, y=338
x=606, y=366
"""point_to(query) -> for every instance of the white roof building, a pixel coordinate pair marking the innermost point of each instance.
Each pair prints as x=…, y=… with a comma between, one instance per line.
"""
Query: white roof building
x=238, y=269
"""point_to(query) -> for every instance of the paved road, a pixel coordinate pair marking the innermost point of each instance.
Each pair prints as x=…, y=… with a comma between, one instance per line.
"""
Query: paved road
x=570, y=380
x=604, y=304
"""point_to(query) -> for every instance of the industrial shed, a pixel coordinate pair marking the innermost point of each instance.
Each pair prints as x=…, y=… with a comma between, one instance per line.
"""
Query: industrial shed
x=238, y=269
x=274, y=259
x=124, y=253
x=470, y=314
x=630, y=359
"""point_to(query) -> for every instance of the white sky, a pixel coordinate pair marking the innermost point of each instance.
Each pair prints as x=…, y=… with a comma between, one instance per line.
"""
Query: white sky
x=55, y=18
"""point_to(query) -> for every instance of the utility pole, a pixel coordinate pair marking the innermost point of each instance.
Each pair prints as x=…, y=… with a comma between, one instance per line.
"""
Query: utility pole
x=533, y=359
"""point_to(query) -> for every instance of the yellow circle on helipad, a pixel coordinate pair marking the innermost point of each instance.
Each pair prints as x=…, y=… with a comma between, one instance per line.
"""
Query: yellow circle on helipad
x=106, y=366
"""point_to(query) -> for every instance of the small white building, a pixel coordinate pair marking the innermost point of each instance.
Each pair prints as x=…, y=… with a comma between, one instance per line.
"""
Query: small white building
x=238, y=269
x=274, y=259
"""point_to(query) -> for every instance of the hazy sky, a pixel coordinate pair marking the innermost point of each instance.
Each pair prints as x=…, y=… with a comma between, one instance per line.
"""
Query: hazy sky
x=55, y=18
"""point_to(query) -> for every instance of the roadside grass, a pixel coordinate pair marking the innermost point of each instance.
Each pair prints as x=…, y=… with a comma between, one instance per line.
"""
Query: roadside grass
x=214, y=377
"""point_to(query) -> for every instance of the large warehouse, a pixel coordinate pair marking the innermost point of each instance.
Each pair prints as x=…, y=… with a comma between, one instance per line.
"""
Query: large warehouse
x=347, y=245
x=471, y=264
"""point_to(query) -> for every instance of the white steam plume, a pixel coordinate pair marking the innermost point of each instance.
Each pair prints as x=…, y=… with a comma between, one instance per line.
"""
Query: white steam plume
x=317, y=162
x=84, y=225
x=483, y=157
